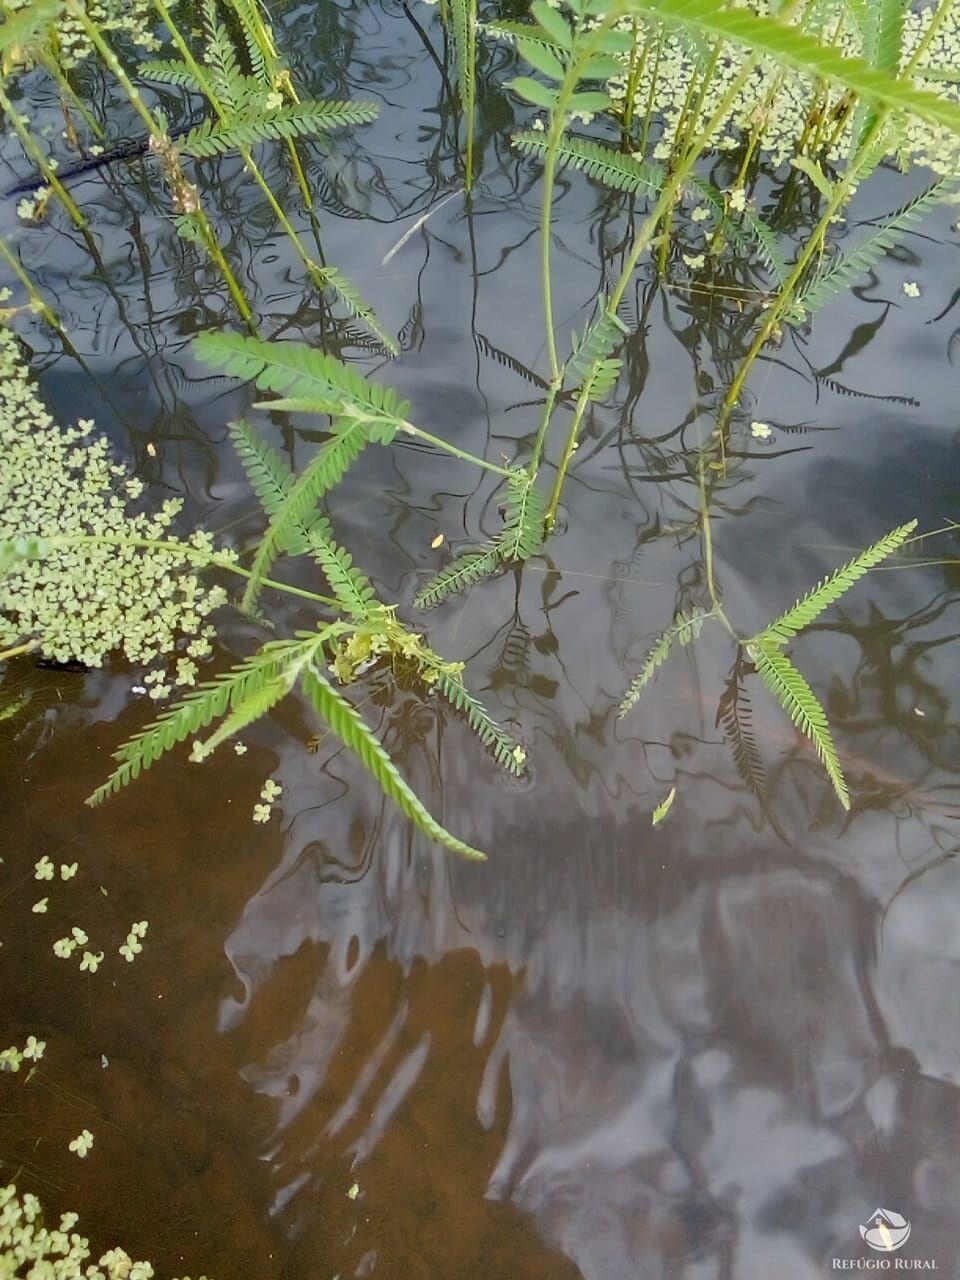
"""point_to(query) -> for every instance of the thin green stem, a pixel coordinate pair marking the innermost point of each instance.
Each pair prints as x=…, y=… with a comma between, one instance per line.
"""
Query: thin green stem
x=538, y=444
x=18, y=650
x=208, y=558
x=840, y=194
x=409, y=429
x=206, y=87
x=40, y=160
x=210, y=240
x=641, y=242
x=558, y=118
x=36, y=301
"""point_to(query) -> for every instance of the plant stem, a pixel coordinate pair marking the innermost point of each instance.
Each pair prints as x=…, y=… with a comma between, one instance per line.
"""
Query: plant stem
x=206, y=87
x=18, y=650
x=36, y=301
x=210, y=240
x=840, y=194
x=409, y=429
x=842, y=191
x=40, y=160
x=188, y=552
x=558, y=119
x=664, y=204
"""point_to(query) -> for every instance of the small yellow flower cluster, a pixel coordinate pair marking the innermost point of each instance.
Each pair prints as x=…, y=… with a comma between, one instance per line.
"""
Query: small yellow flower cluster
x=90, y=599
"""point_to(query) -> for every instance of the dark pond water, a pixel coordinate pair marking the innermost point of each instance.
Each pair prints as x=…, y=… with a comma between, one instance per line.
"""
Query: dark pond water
x=707, y=1049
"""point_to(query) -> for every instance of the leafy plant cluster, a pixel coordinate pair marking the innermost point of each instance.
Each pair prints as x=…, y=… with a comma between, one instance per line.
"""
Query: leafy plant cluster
x=680, y=84
x=118, y=587
x=146, y=592
x=29, y=1249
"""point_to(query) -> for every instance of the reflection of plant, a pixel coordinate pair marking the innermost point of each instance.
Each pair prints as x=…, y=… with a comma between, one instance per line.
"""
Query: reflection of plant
x=765, y=651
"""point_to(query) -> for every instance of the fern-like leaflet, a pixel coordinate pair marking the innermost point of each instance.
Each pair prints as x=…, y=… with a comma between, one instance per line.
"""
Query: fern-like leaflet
x=801, y=704
x=312, y=382
x=686, y=628
x=747, y=227
x=613, y=168
x=809, y=607
x=519, y=539
x=467, y=569
x=850, y=267
x=522, y=534
x=301, y=120
x=325, y=470
x=592, y=363
x=355, y=304
x=272, y=480
x=212, y=699
x=346, y=722
x=506, y=750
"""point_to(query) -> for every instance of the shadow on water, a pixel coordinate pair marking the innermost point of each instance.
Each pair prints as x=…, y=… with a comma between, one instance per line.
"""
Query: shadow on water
x=703, y=1050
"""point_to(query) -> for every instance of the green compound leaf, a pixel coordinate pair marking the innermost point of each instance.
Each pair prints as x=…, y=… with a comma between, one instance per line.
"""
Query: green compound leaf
x=298, y=370
x=272, y=480
x=253, y=706
x=356, y=304
x=810, y=606
x=324, y=471
x=745, y=227
x=355, y=733
x=852, y=266
x=522, y=534
x=169, y=72
x=302, y=120
x=686, y=628
x=612, y=168
x=464, y=572
x=591, y=363
x=799, y=701
x=210, y=700
x=506, y=750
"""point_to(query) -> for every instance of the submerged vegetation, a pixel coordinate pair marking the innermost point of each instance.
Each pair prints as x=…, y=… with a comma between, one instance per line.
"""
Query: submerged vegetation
x=722, y=128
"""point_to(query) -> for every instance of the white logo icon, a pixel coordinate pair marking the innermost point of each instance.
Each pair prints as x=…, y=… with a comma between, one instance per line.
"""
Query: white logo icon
x=886, y=1230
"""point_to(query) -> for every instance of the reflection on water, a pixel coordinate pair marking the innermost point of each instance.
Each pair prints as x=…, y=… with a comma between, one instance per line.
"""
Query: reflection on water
x=705, y=1050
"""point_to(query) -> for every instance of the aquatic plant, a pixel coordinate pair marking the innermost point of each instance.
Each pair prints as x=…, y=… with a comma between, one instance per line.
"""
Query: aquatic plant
x=765, y=651
x=145, y=592
x=245, y=83
x=30, y=1249
x=144, y=601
